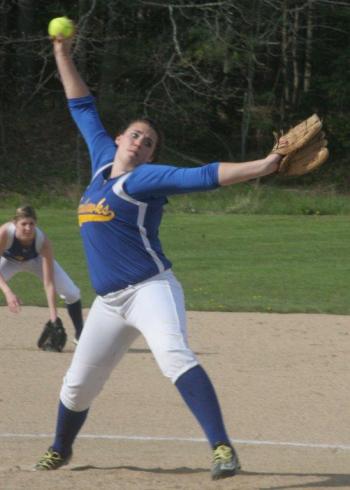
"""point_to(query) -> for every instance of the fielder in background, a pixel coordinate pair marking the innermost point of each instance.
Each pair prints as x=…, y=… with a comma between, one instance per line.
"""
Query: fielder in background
x=25, y=248
x=137, y=292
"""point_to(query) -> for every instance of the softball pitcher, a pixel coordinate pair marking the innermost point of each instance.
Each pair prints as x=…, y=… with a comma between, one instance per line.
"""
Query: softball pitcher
x=25, y=248
x=137, y=292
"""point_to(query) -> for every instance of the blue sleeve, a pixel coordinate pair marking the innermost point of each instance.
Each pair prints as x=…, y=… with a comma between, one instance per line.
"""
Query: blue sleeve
x=101, y=146
x=152, y=180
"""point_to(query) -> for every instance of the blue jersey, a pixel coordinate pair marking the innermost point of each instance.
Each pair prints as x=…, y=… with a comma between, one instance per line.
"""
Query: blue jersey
x=120, y=217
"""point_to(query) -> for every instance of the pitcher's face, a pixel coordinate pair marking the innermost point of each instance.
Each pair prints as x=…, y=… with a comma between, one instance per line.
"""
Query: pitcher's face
x=137, y=144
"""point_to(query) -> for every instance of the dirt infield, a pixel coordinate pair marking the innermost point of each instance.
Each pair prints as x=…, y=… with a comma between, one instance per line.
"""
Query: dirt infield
x=283, y=382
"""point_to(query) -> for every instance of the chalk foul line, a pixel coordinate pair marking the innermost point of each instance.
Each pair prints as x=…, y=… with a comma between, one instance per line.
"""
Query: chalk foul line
x=345, y=447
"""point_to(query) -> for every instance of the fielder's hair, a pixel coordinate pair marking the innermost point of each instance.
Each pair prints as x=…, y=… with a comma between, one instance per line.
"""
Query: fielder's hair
x=25, y=212
x=152, y=124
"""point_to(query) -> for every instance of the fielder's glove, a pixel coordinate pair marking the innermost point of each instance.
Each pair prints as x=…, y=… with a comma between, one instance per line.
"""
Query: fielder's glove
x=303, y=147
x=53, y=338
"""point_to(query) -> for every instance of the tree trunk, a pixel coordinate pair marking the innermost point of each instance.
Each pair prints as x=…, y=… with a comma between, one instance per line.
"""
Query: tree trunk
x=285, y=102
x=3, y=60
x=109, y=60
x=295, y=64
x=25, y=63
x=308, y=46
x=248, y=103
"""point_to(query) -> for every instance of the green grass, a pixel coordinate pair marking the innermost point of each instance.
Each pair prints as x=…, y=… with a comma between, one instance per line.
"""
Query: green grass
x=261, y=263
x=248, y=198
x=251, y=198
x=228, y=262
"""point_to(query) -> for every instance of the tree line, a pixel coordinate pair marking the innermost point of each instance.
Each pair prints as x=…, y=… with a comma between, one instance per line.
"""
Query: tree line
x=219, y=76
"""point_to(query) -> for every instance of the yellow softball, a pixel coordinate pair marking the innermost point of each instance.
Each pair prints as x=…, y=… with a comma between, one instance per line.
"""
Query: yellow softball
x=61, y=26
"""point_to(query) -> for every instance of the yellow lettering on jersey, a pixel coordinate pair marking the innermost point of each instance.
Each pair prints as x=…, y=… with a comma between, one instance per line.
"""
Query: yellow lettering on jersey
x=94, y=212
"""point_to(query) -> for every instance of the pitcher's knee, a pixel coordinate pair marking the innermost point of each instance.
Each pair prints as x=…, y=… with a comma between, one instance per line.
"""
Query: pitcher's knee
x=77, y=394
x=175, y=363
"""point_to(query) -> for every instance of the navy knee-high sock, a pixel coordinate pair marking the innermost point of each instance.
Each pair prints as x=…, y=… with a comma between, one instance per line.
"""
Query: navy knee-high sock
x=68, y=425
x=76, y=315
x=198, y=392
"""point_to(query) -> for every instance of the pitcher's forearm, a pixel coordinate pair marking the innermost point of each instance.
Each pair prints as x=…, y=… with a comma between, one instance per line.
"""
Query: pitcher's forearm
x=74, y=86
x=233, y=173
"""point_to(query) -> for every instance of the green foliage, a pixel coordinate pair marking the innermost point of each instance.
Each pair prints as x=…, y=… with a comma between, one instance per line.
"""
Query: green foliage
x=203, y=47
x=207, y=72
x=339, y=125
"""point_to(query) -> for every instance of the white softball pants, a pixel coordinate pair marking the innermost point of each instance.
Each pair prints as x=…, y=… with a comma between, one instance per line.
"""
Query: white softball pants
x=65, y=287
x=154, y=308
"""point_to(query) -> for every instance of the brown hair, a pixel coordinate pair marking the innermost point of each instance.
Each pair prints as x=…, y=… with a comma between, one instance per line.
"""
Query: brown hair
x=152, y=124
x=25, y=212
